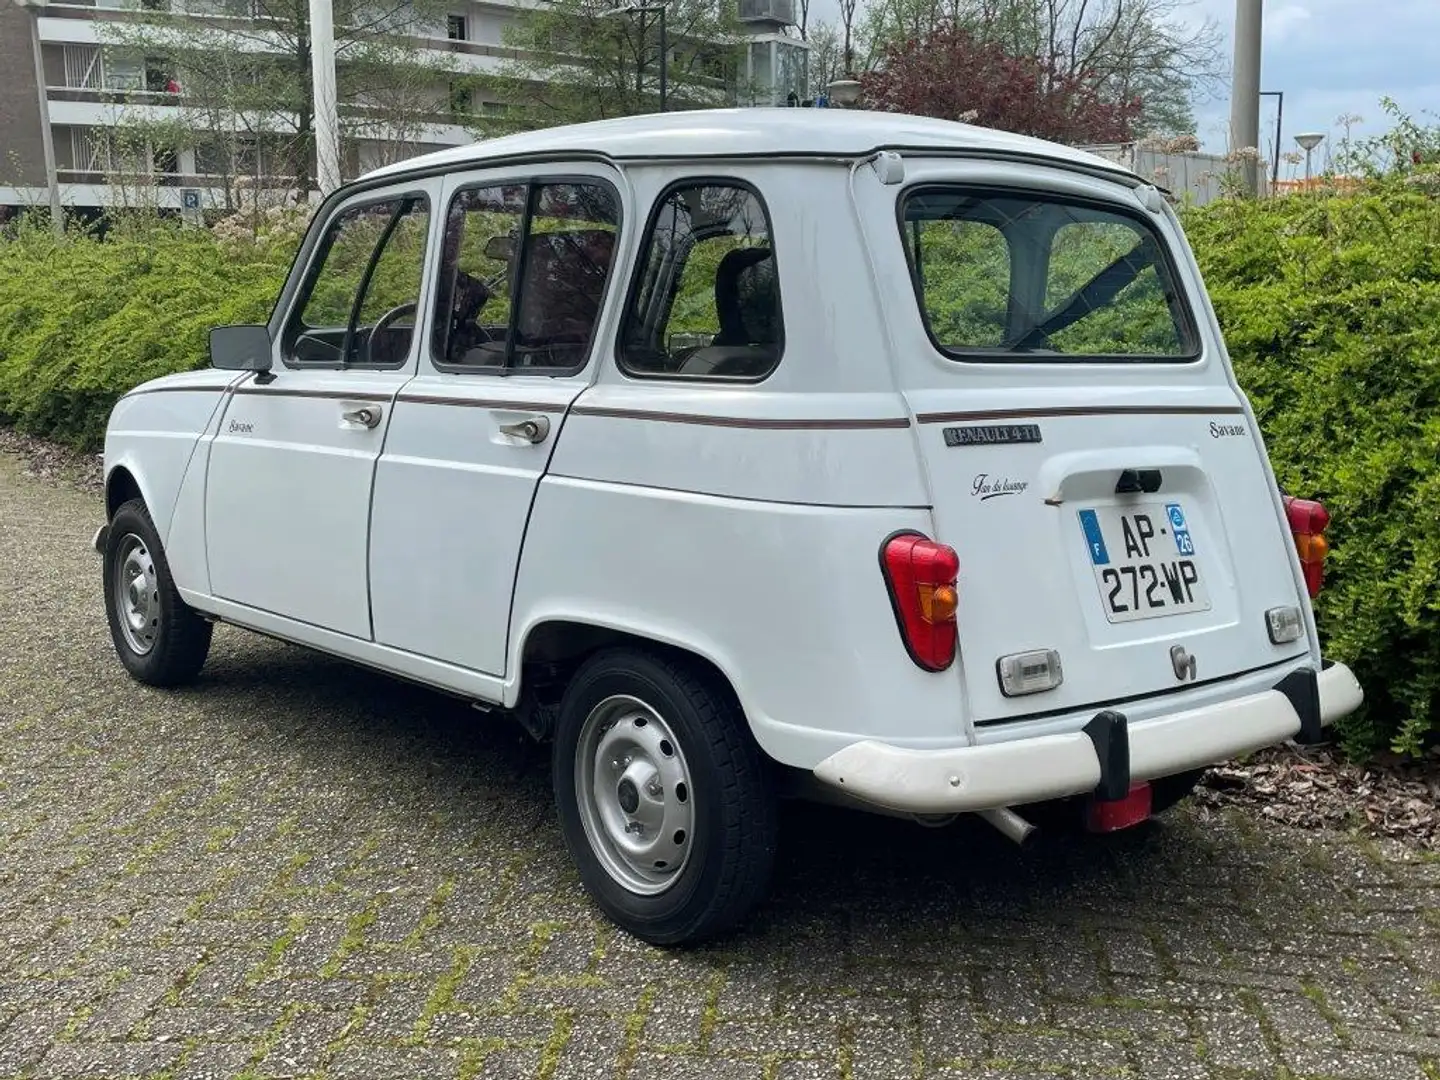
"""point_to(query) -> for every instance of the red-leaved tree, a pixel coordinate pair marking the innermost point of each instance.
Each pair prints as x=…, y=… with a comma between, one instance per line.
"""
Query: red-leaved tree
x=949, y=73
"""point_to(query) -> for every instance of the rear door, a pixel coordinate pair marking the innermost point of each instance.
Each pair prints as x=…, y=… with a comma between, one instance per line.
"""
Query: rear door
x=1086, y=453
x=525, y=266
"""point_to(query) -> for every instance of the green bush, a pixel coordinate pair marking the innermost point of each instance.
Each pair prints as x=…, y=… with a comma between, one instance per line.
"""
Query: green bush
x=1330, y=306
x=84, y=320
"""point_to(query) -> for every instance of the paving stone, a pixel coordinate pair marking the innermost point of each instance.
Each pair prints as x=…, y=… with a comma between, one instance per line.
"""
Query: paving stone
x=1235, y=1041
x=111, y=1060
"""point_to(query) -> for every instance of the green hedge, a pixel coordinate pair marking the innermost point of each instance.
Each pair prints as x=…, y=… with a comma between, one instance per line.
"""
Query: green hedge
x=1331, y=308
x=83, y=321
x=1331, y=311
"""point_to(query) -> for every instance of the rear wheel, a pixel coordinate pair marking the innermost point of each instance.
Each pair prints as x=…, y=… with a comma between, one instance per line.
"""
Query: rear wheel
x=159, y=638
x=662, y=796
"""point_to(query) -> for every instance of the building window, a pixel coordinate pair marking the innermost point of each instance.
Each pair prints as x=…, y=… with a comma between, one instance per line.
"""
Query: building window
x=456, y=28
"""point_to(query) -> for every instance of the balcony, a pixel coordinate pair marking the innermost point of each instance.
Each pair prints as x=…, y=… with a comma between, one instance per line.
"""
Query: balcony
x=774, y=12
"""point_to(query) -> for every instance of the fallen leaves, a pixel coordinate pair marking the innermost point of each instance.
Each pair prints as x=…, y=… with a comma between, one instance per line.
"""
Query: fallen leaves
x=1310, y=788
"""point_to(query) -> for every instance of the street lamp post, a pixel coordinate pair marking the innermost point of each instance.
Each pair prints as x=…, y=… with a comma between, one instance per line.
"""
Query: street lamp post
x=1279, y=96
x=1308, y=141
x=47, y=136
x=322, y=78
x=646, y=9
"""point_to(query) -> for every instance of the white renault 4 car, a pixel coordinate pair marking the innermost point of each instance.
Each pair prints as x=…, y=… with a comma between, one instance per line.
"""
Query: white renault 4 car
x=739, y=454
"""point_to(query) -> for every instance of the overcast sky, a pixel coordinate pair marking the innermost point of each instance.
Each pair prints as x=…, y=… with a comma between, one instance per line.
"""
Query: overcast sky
x=1329, y=57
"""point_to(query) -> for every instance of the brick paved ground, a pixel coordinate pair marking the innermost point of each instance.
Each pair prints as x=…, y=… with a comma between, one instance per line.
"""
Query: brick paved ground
x=297, y=868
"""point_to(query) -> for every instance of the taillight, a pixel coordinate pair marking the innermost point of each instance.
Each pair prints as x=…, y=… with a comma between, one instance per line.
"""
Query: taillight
x=921, y=576
x=1308, y=520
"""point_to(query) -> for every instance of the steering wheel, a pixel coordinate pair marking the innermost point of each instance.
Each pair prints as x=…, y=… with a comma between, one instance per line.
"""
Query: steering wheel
x=383, y=323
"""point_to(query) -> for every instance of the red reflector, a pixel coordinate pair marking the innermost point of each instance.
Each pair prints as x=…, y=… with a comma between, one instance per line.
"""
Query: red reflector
x=1111, y=815
x=921, y=576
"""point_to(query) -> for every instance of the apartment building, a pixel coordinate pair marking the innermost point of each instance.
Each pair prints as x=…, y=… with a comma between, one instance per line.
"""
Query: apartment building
x=66, y=89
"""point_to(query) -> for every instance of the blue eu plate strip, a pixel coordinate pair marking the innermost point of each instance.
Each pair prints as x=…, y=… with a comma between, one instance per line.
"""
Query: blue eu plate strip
x=1093, y=539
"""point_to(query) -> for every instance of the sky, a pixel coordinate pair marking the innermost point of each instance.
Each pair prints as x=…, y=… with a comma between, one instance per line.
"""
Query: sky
x=1330, y=57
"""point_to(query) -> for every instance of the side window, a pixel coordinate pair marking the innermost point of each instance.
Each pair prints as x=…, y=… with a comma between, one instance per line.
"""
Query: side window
x=523, y=275
x=706, y=302
x=359, y=300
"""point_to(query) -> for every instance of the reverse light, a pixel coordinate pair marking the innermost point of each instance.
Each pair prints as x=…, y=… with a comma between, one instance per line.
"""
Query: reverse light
x=1308, y=520
x=1029, y=672
x=921, y=576
x=1283, y=624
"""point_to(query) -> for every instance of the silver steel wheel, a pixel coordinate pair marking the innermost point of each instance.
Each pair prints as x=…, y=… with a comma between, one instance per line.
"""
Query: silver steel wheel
x=635, y=797
x=137, y=594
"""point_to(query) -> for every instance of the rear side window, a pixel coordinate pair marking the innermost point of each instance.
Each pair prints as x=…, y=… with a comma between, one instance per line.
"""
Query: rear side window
x=706, y=300
x=1039, y=278
x=523, y=275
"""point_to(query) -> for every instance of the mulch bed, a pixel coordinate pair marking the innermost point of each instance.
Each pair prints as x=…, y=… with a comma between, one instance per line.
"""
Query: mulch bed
x=51, y=461
x=1304, y=787
x=1313, y=787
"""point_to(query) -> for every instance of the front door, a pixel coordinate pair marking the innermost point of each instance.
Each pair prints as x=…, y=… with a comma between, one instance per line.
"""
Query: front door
x=288, y=489
x=525, y=268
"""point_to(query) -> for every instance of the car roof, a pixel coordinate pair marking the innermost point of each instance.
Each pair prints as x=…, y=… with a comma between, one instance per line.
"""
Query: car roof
x=754, y=132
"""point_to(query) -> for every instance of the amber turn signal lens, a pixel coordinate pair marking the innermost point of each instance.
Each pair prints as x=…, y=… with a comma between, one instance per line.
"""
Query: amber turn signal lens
x=1311, y=547
x=938, y=602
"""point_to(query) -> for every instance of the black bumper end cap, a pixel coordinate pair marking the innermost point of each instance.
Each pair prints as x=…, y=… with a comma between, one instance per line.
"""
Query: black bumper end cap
x=1302, y=688
x=1109, y=731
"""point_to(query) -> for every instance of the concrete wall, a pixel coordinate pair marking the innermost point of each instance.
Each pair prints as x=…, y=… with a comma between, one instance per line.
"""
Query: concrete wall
x=22, y=154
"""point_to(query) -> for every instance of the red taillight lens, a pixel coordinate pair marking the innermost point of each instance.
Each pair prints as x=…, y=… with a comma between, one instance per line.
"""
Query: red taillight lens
x=1308, y=520
x=921, y=576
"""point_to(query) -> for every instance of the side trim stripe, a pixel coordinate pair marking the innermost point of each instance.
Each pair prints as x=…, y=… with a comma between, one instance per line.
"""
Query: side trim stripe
x=762, y=423
x=1078, y=410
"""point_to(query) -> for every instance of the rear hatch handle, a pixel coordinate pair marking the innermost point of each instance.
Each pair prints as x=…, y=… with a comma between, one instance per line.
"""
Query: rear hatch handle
x=1099, y=473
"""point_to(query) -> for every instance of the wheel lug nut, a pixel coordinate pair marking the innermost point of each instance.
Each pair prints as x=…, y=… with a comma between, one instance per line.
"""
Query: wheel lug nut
x=653, y=788
x=634, y=827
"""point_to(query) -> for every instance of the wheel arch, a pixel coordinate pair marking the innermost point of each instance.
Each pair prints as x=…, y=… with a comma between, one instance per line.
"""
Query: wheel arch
x=122, y=485
x=562, y=643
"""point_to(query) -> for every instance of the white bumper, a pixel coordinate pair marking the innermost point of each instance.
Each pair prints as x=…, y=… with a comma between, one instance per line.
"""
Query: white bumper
x=1053, y=766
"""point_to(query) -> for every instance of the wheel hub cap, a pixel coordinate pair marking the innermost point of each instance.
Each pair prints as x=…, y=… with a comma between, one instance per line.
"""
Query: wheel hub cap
x=634, y=792
x=137, y=595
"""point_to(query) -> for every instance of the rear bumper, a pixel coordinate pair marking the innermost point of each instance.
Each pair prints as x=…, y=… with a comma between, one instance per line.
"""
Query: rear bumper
x=1104, y=758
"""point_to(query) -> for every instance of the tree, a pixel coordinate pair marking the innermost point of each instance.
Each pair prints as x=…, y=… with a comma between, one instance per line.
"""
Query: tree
x=576, y=60
x=1154, y=50
x=244, y=85
x=952, y=73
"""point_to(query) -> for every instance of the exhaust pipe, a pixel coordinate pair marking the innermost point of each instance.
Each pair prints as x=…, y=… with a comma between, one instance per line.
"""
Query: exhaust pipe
x=1010, y=824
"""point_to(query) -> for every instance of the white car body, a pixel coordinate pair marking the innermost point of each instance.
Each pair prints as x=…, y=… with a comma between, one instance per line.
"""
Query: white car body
x=741, y=522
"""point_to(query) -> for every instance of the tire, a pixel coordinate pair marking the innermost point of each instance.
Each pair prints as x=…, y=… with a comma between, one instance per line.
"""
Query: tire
x=634, y=726
x=159, y=638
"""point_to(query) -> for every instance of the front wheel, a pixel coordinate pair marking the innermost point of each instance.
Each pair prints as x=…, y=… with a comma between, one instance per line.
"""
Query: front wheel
x=662, y=797
x=158, y=637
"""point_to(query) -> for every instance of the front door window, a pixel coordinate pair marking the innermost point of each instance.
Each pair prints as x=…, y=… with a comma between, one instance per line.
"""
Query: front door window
x=358, y=303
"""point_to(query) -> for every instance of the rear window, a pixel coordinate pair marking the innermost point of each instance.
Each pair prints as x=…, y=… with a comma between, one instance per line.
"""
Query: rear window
x=1028, y=277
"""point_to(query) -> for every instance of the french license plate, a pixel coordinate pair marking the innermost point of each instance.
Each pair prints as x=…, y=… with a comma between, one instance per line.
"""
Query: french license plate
x=1144, y=561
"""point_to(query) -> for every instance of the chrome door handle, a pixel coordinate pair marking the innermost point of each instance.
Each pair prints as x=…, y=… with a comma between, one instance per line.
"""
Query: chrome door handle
x=532, y=430
x=368, y=415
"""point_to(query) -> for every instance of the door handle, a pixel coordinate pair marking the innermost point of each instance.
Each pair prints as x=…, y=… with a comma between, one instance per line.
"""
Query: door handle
x=368, y=415
x=532, y=430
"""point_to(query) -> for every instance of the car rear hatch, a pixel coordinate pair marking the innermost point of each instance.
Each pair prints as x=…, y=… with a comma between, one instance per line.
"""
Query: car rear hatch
x=1087, y=456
